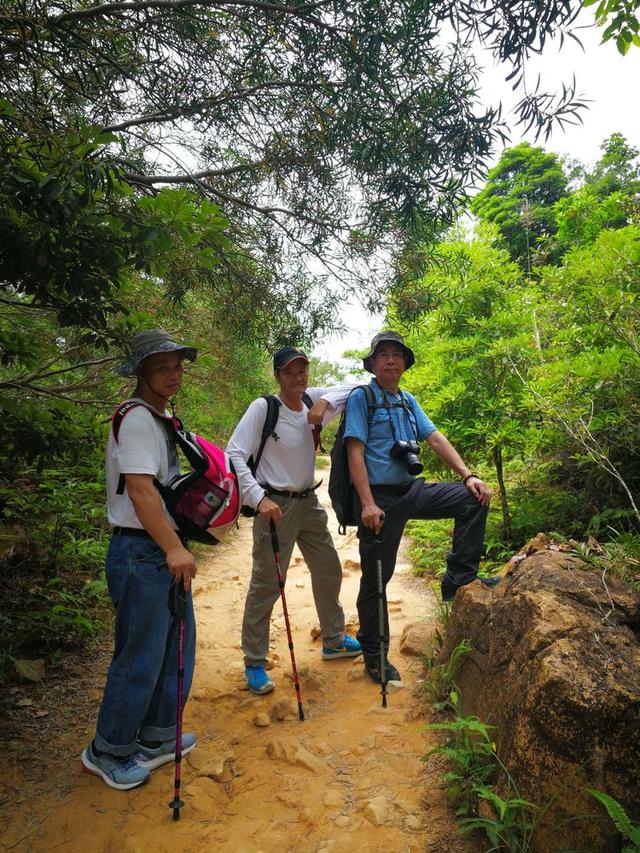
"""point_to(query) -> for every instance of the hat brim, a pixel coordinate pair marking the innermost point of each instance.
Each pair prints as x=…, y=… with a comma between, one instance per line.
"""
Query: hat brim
x=408, y=354
x=293, y=358
x=129, y=368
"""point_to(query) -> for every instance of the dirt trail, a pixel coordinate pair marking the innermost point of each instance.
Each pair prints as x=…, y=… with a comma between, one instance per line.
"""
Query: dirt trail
x=350, y=775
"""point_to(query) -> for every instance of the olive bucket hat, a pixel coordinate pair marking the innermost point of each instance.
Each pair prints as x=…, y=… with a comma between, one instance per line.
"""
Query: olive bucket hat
x=149, y=343
x=388, y=337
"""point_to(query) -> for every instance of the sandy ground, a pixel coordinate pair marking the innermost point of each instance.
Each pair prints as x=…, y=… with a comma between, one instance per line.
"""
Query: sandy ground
x=350, y=776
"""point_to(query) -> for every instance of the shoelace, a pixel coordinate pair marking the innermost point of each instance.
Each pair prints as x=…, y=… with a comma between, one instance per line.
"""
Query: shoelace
x=128, y=763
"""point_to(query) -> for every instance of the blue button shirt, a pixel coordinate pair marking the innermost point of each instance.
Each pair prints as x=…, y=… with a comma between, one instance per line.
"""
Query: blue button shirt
x=378, y=436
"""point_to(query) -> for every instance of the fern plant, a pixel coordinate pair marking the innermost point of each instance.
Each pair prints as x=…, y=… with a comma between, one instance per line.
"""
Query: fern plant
x=629, y=831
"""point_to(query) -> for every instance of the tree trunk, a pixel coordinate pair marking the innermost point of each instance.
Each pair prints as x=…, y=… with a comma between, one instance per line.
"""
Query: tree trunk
x=506, y=518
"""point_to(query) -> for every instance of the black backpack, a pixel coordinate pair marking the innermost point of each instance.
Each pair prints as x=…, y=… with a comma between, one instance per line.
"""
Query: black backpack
x=269, y=429
x=341, y=490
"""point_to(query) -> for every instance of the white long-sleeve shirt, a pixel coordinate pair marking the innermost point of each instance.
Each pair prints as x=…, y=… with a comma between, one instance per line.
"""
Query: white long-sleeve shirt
x=288, y=463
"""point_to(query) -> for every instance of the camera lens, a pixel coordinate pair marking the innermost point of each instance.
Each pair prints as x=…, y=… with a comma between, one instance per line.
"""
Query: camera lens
x=414, y=465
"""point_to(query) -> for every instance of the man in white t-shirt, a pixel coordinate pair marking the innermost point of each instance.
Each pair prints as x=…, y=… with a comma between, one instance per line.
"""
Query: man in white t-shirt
x=281, y=489
x=147, y=559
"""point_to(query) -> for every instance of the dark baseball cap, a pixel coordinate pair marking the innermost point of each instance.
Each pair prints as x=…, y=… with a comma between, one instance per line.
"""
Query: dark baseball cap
x=283, y=356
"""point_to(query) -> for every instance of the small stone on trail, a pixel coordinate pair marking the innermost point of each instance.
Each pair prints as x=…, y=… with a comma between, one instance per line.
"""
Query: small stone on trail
x=272, y=660
x=212, y=766
x=342, y=821
x=416, y=638
x=356, y=674
x=412, y=822
x=376, y=811
x=394, y=686
x=351, y=566
x=315, y=632
x=261, y=720
x=300, y=585
x=282, y=750
x=333, y=798
x=283, y=709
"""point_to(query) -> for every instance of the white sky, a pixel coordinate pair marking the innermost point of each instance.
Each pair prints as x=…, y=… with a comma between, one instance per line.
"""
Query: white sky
x=611, y=82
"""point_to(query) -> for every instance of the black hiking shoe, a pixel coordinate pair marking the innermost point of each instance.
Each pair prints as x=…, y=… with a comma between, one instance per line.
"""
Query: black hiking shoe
x=448, y=589
x=491, y=582
x=372, y=668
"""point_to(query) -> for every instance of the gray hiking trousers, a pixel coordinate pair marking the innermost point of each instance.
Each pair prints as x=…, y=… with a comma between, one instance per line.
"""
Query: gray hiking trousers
x=304, y=522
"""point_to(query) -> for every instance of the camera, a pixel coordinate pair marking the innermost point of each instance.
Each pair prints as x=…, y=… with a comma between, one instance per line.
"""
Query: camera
x=408, y=451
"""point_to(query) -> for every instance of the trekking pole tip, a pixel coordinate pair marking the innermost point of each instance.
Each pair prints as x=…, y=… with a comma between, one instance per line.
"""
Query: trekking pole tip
x=176, y=805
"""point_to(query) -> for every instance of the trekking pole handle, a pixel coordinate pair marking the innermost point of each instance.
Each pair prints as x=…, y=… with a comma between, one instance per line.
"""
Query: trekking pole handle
x=178, y=600
x=274, y=537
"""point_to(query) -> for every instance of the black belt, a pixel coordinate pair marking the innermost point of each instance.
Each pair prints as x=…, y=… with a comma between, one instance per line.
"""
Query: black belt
x=392, y=488
x=137, y=531
x=288, y=493
x=130, y=531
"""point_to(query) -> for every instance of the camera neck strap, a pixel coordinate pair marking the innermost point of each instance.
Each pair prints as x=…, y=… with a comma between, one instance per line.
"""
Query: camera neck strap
x=402, y=404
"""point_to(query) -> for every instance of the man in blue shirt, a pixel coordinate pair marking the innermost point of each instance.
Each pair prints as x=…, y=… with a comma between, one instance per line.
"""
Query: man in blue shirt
x=383, y=470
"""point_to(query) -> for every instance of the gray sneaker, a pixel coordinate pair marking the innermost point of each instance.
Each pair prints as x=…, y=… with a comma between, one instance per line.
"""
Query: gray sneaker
x=152, y=757
x=121, y=773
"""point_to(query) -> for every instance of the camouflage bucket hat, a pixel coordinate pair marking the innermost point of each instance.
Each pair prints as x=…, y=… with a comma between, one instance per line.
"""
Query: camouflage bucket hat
x=149, y=343
x=388, y=337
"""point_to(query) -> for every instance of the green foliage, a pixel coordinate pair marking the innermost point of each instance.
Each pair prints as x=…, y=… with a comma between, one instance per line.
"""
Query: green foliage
x=52, y=550
x=440, y=680
x=618, y=558
x=539, y=378
x=518, y=199
x=629, y=831
x=475, y=776
x=619, y=18
x=470, y=750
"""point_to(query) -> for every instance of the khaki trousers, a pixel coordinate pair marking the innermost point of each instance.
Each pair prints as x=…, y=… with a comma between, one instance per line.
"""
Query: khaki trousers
x=304, y=522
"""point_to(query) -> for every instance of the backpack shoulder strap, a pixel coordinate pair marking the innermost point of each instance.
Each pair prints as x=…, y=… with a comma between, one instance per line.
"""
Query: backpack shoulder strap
x=268, y=428
x=371, y=401
x=172, y=422
x=173, y=425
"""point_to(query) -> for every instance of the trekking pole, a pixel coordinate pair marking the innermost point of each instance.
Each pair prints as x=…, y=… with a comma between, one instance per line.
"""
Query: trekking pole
x=276, y=554
x=179, y=605
x=379, y=544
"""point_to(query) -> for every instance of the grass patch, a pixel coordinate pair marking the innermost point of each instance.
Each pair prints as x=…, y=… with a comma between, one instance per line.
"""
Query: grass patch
x=431, y=541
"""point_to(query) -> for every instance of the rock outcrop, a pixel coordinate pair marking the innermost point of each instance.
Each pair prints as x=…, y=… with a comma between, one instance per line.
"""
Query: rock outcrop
x=555, y=667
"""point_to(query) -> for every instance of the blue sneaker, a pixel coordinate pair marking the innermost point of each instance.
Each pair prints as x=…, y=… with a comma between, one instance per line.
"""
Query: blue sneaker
x=348, y=648
x=258, y=680
x=152, y=757
x=121, y=773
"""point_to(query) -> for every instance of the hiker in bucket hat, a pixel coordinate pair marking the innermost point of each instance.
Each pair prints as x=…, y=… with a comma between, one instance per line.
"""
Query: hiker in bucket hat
x=136, y=725
x=276, y=475
x=383, y=463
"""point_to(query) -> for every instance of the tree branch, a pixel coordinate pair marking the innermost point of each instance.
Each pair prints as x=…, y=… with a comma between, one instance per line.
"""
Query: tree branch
x=175, y=5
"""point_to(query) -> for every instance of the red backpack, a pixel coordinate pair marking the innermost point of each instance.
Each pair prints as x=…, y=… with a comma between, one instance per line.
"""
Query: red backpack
x=205, y=502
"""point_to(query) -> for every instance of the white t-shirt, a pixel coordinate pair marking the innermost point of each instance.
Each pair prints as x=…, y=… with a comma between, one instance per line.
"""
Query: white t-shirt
x=289, y=462
x=143, y=447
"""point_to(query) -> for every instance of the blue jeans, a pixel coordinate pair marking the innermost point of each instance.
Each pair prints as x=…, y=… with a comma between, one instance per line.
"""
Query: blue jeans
x=140, y=696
